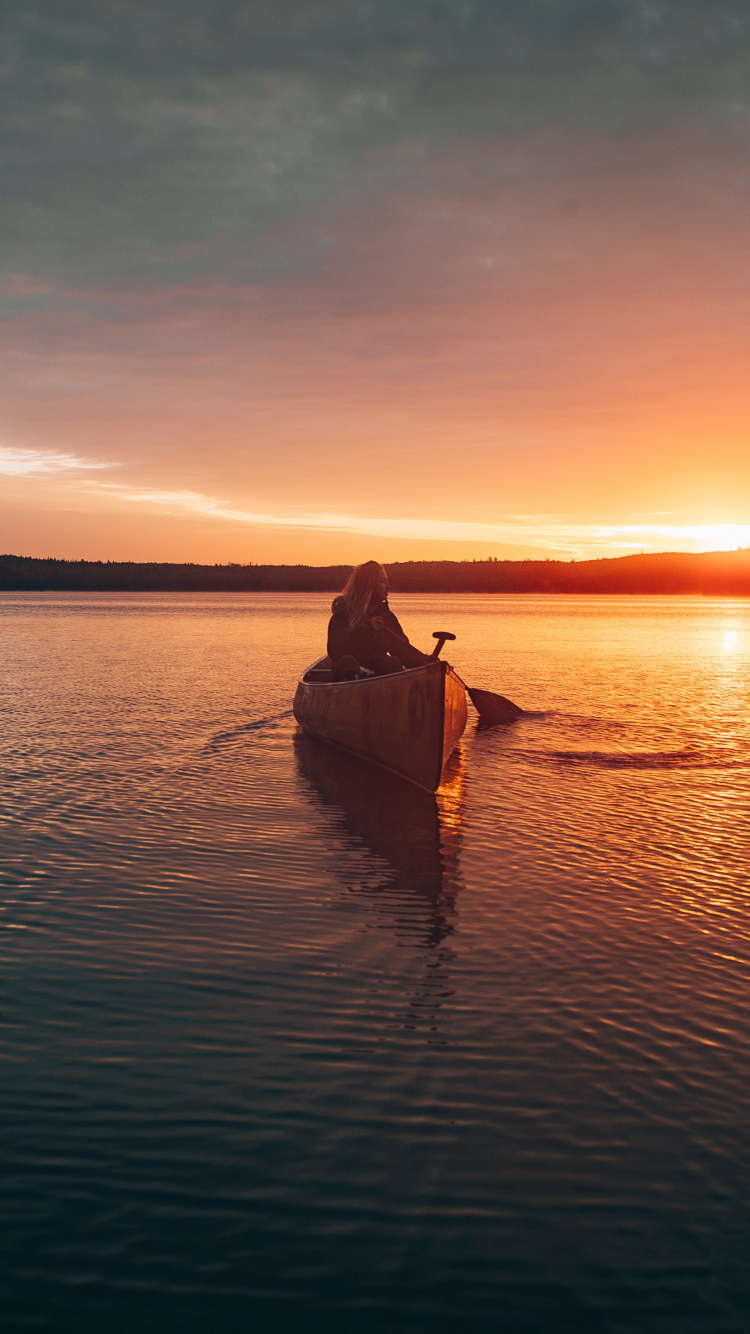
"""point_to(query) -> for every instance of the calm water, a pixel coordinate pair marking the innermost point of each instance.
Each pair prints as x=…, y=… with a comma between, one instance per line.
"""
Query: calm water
x=287, y=1047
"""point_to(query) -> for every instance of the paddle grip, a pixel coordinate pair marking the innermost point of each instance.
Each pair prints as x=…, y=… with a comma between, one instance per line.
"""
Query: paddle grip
x=440, y=636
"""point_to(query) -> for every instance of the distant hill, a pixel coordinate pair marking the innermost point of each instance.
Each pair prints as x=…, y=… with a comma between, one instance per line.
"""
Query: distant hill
x=712, y=573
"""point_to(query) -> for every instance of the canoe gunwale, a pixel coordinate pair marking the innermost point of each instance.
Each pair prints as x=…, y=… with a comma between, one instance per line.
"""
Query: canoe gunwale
x=368, y=680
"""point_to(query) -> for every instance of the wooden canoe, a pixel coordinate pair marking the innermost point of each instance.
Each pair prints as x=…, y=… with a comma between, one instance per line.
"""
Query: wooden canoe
x=408, y=722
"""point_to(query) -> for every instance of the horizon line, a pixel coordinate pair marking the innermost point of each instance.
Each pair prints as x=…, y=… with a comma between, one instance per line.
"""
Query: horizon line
x=469, y=560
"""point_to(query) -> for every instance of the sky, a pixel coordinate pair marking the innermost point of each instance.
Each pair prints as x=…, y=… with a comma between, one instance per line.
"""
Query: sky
x=313, y=282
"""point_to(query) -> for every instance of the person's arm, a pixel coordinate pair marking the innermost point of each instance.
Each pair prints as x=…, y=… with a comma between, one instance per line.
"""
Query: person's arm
x=384, y=619
x=394, y=639
x=392, y=623
x=397, y=643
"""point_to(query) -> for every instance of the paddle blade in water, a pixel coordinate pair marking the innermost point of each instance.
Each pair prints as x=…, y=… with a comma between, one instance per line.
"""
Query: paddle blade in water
x=492, y=708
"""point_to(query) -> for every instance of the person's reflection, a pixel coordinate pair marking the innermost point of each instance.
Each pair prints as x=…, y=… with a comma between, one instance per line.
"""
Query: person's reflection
x=415, y=833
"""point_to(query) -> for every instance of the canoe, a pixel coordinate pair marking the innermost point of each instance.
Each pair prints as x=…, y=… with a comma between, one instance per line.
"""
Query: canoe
x=408, y=722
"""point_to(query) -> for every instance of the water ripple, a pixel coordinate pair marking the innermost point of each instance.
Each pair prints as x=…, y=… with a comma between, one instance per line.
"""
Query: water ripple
x=287, y=1042
x=686, y=758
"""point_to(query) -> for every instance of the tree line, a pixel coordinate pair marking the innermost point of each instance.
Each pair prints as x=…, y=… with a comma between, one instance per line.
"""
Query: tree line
x=718, y=573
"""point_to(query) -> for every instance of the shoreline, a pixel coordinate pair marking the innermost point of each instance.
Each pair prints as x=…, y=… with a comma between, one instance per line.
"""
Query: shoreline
x=714, y=573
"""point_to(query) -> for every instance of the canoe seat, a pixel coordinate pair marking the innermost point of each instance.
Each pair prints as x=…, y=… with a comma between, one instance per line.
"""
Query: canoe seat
x=317, y=674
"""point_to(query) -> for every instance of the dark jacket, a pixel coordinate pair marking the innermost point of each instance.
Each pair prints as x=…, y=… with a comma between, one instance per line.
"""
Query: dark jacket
x=363, y=642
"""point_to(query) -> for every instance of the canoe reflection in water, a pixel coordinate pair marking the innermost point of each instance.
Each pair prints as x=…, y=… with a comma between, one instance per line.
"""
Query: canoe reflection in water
x=417, y=834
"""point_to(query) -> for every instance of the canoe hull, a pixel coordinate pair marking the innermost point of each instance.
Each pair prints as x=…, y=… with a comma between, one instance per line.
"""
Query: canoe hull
x=408, y=722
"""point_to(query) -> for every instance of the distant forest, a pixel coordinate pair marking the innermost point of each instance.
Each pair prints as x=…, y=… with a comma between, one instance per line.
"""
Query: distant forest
x=717, y=573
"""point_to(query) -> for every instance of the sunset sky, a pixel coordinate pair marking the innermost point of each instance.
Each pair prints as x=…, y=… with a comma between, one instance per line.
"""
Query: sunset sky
x=409, y=279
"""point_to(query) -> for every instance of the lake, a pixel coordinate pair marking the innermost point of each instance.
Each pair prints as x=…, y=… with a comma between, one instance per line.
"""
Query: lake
x=289, y=1045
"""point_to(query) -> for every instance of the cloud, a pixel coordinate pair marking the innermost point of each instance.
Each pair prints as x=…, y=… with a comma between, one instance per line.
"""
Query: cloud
x=156, y=160
x=205, y=36
x=265, y=237
x=543, y=530
x=31, y=462
x=561, y=535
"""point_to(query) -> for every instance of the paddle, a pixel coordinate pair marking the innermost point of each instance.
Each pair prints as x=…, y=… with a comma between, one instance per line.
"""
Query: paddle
x=440, y=636
x=492, y=708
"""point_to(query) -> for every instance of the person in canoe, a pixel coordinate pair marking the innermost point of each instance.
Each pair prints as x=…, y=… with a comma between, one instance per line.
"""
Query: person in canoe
x=363, y=631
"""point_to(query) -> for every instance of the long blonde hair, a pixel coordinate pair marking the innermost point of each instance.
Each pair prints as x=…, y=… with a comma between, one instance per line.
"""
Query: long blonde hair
x=358, y=590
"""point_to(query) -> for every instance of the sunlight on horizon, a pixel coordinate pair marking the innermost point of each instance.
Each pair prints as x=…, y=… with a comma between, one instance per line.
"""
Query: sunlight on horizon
x=69, y=477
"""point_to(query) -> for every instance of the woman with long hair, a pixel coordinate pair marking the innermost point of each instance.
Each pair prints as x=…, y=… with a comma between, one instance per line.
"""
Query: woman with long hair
x=363, y=631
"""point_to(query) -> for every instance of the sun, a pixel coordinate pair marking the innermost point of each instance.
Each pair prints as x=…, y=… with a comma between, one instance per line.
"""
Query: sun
x=721, y=536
